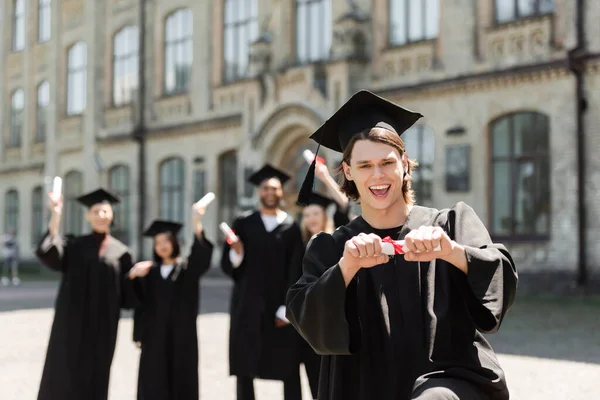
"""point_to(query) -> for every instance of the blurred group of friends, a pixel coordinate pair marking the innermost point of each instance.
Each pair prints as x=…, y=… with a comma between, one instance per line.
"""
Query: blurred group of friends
x=366, y=323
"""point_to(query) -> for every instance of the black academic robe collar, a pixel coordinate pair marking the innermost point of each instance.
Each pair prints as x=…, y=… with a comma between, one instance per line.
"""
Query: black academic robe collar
x=257, y=215
x=418, y=216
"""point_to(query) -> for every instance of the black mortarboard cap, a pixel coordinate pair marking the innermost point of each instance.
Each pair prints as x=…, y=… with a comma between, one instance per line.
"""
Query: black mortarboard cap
x=268, y=172
x=316, y=198
x=161, y=226
x=364, y=110
x=98, y=196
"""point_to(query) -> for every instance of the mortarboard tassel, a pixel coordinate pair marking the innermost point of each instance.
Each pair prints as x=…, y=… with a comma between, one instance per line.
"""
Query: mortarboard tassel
x=309, y=181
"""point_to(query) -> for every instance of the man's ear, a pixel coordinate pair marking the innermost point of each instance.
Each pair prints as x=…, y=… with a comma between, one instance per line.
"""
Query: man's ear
x=347, y=172
x=405, y=163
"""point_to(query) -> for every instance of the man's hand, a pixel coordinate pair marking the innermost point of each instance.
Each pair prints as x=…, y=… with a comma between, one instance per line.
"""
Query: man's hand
x=140, y=269
x=237, y=246
x=421, y=243
x=362, y=251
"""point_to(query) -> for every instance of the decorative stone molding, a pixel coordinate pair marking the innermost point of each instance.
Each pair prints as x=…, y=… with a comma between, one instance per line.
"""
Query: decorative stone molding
x=70, y=142
x=287, y=112
x=172, y=107
x=411, y=59
x=230, y=97
x=71, y=125
x=351, y=36
x=117, y=117
x=522, y=40
x=12, y=155
x=260, y=55
x=38, y=150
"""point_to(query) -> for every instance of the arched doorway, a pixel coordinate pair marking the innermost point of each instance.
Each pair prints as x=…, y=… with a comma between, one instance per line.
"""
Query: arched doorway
x=293, y=163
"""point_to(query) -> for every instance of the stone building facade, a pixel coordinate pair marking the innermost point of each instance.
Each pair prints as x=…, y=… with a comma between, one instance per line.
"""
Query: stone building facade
x=230, y=84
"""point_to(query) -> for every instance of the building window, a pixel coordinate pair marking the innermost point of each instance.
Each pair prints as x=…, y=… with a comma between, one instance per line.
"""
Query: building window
x=413, y=21
x=172, y=189
x=77, y=78
x=37, y=215
x=72, y=209
x=512, y=10
x=17, y=104
x=419, y=142
x=18, y=31
x=119, y=183
x=125, y=65
x=313, y=30
x=199, y=180
x=227, y=186
x=520, y=201
x=240, y=31
x=43, y=99
x=44, y=20
x=178, y=51
x=11, y=211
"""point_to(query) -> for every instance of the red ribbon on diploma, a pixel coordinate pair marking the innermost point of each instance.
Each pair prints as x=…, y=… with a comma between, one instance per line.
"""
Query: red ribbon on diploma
x=397, y=245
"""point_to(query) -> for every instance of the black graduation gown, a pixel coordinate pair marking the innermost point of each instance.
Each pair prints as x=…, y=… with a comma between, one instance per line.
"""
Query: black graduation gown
x=436, y=312
x=87, y=311
x=165, y=324
x=272, y=260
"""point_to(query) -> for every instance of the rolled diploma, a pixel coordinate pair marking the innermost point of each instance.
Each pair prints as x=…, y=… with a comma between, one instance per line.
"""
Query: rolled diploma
x=308, y=156
x=228, y=232
x=56, y=187
x=206, y=200
x=388, y=248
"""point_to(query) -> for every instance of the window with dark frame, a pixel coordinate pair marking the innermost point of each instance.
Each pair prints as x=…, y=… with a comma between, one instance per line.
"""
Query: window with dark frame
x=125, y=65
x=313, y=30
x=240, y=30
x=413, y=21
x=228, y=196
x=178, y=55
x=11, y=211
x=76, y=78
x=18, y=28
x=419, y=142
x=172, y=189
x=17, y=105
x=512, y=10
x=73, y=188
x=44, y=20
x=199, y=183
x=43, y=100
x=119, y=183
x=520, y=176
x=37, y=215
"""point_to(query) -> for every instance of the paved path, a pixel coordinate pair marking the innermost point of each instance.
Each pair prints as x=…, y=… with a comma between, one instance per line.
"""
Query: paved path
x=549, y=349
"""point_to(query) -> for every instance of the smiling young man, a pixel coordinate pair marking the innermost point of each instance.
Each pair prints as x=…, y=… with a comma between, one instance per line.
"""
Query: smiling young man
x=93, y=289
x=408, y=326
x=263, y=263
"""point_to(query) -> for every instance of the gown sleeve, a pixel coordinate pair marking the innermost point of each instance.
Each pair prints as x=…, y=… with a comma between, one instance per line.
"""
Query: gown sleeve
x=226, y=265
x=320, y=306
x=490, y=284
x=52, y=251
x=341, y=216
x=198, y=262
x=131, y=289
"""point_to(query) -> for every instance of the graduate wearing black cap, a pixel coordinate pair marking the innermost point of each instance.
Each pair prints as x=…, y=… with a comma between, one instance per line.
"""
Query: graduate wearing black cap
x=165, y=322
x=263, y=262
x=93, y=289
x=407, y=327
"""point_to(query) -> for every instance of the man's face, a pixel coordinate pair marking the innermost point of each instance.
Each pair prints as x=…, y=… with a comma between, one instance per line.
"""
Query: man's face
x=270, y=193
x=377, y=170
x=100, y=216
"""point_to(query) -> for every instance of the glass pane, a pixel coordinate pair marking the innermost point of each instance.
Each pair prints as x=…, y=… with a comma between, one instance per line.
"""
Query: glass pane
x=546, y=6
x=432, y=18
x=505, y=10
x=398, y=21
x=525, y=199
x=501, y=138
x=526, y=7
x=411, y=142
x=542, y=174
x=301, y=34
x=501, y=198
x=415, y=27
x=542, y=133
x=427, y=153
x=524, y=134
